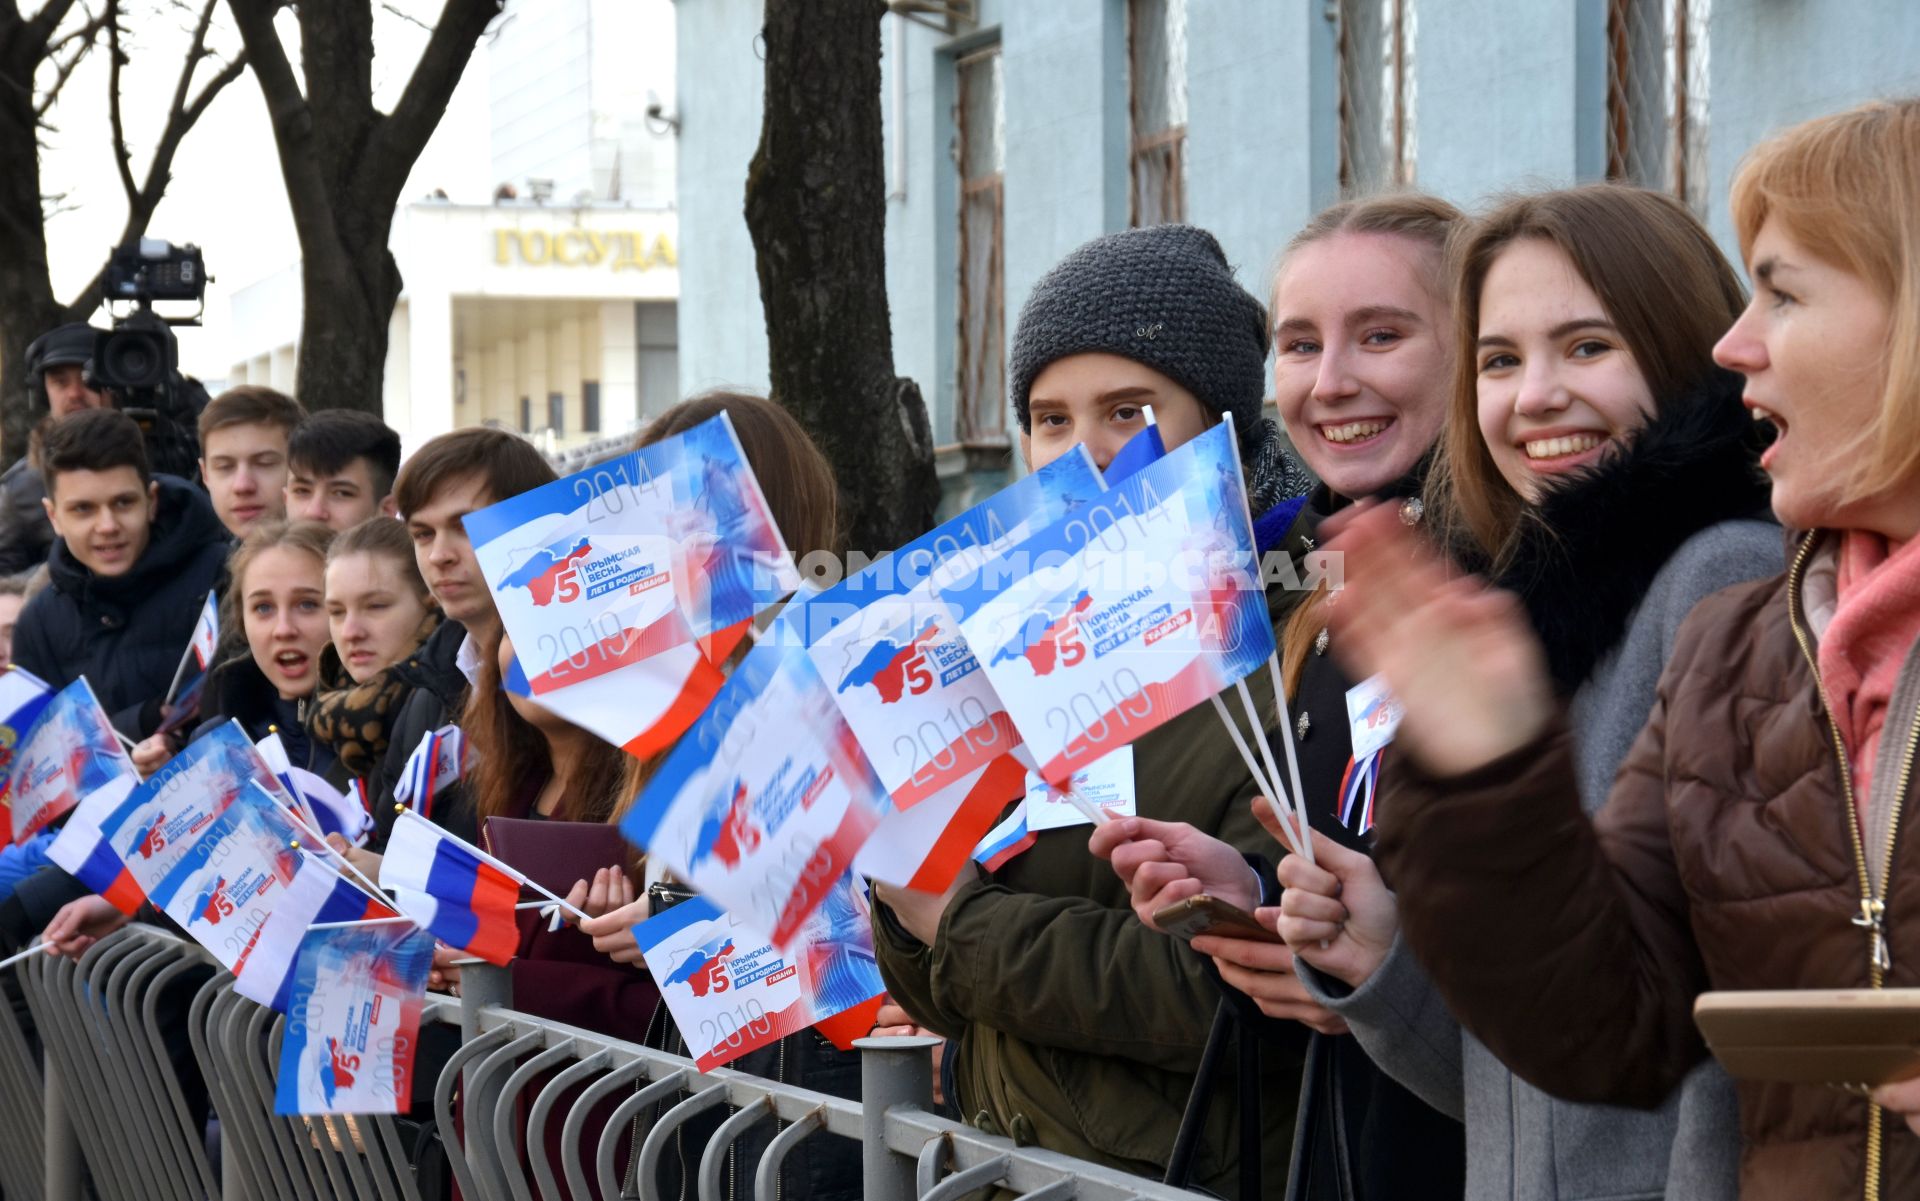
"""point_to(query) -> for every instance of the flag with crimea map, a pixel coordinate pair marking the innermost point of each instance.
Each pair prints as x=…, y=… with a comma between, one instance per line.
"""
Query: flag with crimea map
x=1126, y=612
x=623, y=585
x=912, y=691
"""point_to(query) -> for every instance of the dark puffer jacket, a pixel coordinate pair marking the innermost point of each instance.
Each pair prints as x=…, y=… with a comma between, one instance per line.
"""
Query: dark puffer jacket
x=126, y=633
x=439, y=694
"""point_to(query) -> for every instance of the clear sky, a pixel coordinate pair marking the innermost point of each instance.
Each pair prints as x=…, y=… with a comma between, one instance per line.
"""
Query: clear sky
x=227, y=195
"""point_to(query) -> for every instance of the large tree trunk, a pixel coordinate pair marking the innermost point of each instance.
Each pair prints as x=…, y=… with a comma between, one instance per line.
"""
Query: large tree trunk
x=816, y=208
x=345, y=162
x=343, y=335
x=27, y=306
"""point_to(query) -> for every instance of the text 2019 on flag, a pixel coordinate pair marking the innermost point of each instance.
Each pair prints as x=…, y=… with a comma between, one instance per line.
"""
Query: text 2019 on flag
x=610, y=582
x=1126, y=613
x=766, y=801
x=911, y=689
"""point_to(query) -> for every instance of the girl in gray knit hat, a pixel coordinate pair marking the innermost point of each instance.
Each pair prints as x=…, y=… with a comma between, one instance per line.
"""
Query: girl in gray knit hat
x=1147, y=317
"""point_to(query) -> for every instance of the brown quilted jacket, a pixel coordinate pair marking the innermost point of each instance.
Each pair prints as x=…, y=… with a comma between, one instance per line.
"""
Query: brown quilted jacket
x=1726, y=858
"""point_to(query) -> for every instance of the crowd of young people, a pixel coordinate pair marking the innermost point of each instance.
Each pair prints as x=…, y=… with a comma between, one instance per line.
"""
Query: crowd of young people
x=1567, y=461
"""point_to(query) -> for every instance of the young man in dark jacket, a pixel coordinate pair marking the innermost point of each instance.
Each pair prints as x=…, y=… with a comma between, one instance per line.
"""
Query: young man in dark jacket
x=448, y=478
x=134, y=556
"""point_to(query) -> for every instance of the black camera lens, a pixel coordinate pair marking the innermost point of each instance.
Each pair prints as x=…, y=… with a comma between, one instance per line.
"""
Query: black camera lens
x=131, y=359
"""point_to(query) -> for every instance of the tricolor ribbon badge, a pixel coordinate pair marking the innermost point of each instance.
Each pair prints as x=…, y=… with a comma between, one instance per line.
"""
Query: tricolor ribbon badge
x=1357, y=788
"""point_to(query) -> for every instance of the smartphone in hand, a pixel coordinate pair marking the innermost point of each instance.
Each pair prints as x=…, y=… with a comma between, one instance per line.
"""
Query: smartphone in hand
x=1210, y=915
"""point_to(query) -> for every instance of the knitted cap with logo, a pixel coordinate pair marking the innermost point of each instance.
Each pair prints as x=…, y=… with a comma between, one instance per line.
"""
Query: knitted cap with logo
x=1163, y=296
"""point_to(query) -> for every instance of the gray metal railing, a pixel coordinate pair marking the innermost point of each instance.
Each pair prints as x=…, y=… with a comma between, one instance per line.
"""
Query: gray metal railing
x=117, y=1114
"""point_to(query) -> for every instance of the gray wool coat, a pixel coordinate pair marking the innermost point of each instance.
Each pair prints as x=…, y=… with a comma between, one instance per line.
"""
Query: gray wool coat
x=1523, y=1145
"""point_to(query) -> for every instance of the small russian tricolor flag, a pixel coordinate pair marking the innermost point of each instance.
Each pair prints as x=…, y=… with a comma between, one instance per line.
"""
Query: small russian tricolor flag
x=206, y=632
x=84, y=853
x=264, y=971
x=1005, y=840
x=462, y=894
x=438, y=761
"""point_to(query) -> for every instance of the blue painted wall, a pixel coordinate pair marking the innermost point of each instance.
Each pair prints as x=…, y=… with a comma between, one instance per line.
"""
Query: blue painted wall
x=1508, y=94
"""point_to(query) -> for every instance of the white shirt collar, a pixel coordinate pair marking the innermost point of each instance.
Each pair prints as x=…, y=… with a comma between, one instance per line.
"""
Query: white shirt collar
x=468, y=660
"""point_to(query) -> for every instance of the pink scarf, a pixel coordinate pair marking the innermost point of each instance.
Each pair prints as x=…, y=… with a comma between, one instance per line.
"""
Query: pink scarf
x=1875, y=622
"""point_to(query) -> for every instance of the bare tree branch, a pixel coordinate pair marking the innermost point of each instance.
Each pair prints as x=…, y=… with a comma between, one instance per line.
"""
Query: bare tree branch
x=56, y=203
x=183, y=113
x=116, y=61
x=290, y=118
x=43, y=23
x=78, y=43
x=398, y=140
x=404, y=15
x=344, y=163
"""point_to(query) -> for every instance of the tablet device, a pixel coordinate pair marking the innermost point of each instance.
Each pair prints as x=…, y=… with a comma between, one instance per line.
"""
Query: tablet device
x=1845, y=1037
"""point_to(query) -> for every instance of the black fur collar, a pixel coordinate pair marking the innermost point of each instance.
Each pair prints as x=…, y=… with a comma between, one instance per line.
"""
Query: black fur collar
x=1583, y=559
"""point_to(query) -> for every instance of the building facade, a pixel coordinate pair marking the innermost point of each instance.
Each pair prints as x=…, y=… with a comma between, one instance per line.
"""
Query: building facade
x=549, y=307
x=1018, y=129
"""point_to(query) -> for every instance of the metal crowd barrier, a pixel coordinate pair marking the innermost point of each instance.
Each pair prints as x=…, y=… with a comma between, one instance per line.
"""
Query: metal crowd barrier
x=112, y=1097
x=116, y=1116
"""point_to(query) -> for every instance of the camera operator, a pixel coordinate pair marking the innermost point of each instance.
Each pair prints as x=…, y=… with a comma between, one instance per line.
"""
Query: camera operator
x=138, y=361
x=57, y=387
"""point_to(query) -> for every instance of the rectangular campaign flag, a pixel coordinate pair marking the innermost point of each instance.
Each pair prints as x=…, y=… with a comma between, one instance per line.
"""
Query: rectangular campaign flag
x=232, y=877
x=70, y=752
x=730, y=991
x=22, y=697
x=264, y=971
x=463, y=895
x=912, y=691
x=1132, y=610
x=154, y=828
x=84, y=853
x=766, y=801
x=612, y=580
x=353, y=1021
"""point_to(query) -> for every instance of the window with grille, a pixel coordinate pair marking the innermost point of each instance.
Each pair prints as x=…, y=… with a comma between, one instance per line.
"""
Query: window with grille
x=979, y=150
x=1657, y=96
x=1157, y=99
x=1373, y=46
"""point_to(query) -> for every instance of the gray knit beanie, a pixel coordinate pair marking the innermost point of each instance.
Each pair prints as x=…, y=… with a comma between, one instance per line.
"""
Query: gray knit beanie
x=1165, y=297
